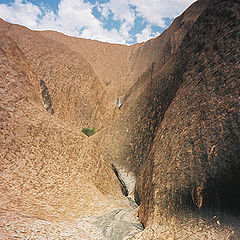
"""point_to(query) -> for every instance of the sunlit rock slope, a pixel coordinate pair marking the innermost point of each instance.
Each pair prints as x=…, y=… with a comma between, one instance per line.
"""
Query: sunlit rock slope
x=164, y=164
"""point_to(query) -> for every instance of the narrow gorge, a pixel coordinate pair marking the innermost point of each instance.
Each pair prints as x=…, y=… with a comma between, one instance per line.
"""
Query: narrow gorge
x=162, y=160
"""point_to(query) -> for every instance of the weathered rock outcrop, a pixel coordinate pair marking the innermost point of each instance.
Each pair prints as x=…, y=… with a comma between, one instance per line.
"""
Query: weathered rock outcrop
x=54, y=183
x=77, y=95
x=112, y=63
x=179, y=128
x=49, y=170
x=172, y=146
x=194, y=162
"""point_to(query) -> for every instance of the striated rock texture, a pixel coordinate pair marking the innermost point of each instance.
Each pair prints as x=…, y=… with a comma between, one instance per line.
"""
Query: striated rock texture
x=112, y=63
x=46, y=97
x=77, y=95
x=52, y=175
x=49, y=170
x=172, y=146
x=179, y=129
x=194, y=159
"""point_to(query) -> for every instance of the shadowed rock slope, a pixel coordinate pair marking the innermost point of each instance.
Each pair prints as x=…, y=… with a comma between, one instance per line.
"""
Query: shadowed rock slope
x=178, y=134
x=119, y=66
x=172, y=147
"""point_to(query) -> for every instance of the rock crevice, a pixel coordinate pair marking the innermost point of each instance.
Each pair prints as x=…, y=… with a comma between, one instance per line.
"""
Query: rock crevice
x=46, y=97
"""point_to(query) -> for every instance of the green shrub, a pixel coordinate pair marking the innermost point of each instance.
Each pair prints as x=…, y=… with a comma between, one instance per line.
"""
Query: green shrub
x=89, y=131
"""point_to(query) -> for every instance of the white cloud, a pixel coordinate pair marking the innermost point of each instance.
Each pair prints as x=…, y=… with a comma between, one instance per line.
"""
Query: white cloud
x=121, y=12
x=75, y=17
x=154, y=11
x=146, y=34
x=120, y=9
x=22, y=13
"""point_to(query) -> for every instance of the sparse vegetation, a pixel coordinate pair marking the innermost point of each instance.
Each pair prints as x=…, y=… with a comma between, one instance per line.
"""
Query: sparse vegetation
x=89, y=131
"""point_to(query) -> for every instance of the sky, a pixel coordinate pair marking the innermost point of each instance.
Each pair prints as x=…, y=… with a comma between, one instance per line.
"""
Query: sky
x=114, y=21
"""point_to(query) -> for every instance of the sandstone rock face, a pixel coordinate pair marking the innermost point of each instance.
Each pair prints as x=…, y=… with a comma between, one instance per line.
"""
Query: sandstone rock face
x=77, y=95
x=179, y=130
x=120, y=66
x=52, y=175
x=112, y=63
x=170, y=146
x=196, y=148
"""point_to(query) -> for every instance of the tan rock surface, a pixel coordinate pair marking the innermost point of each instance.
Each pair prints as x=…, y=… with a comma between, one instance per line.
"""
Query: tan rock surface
x=50, y=172
x=120, y=66
x=173, y=146
x=112, y=63
x=78, y=96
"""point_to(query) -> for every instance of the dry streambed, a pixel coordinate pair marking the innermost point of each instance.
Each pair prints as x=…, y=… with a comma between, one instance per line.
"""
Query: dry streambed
x=121, y=224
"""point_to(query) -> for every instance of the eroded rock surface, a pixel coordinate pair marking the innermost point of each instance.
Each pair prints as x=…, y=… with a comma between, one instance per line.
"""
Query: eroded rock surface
x=179, y=129
x=172, y=147
x=46, y=97
x=121, y=224
x=53, y=178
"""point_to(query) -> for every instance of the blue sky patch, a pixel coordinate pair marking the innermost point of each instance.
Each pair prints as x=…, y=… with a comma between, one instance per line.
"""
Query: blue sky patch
x=125, y=21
